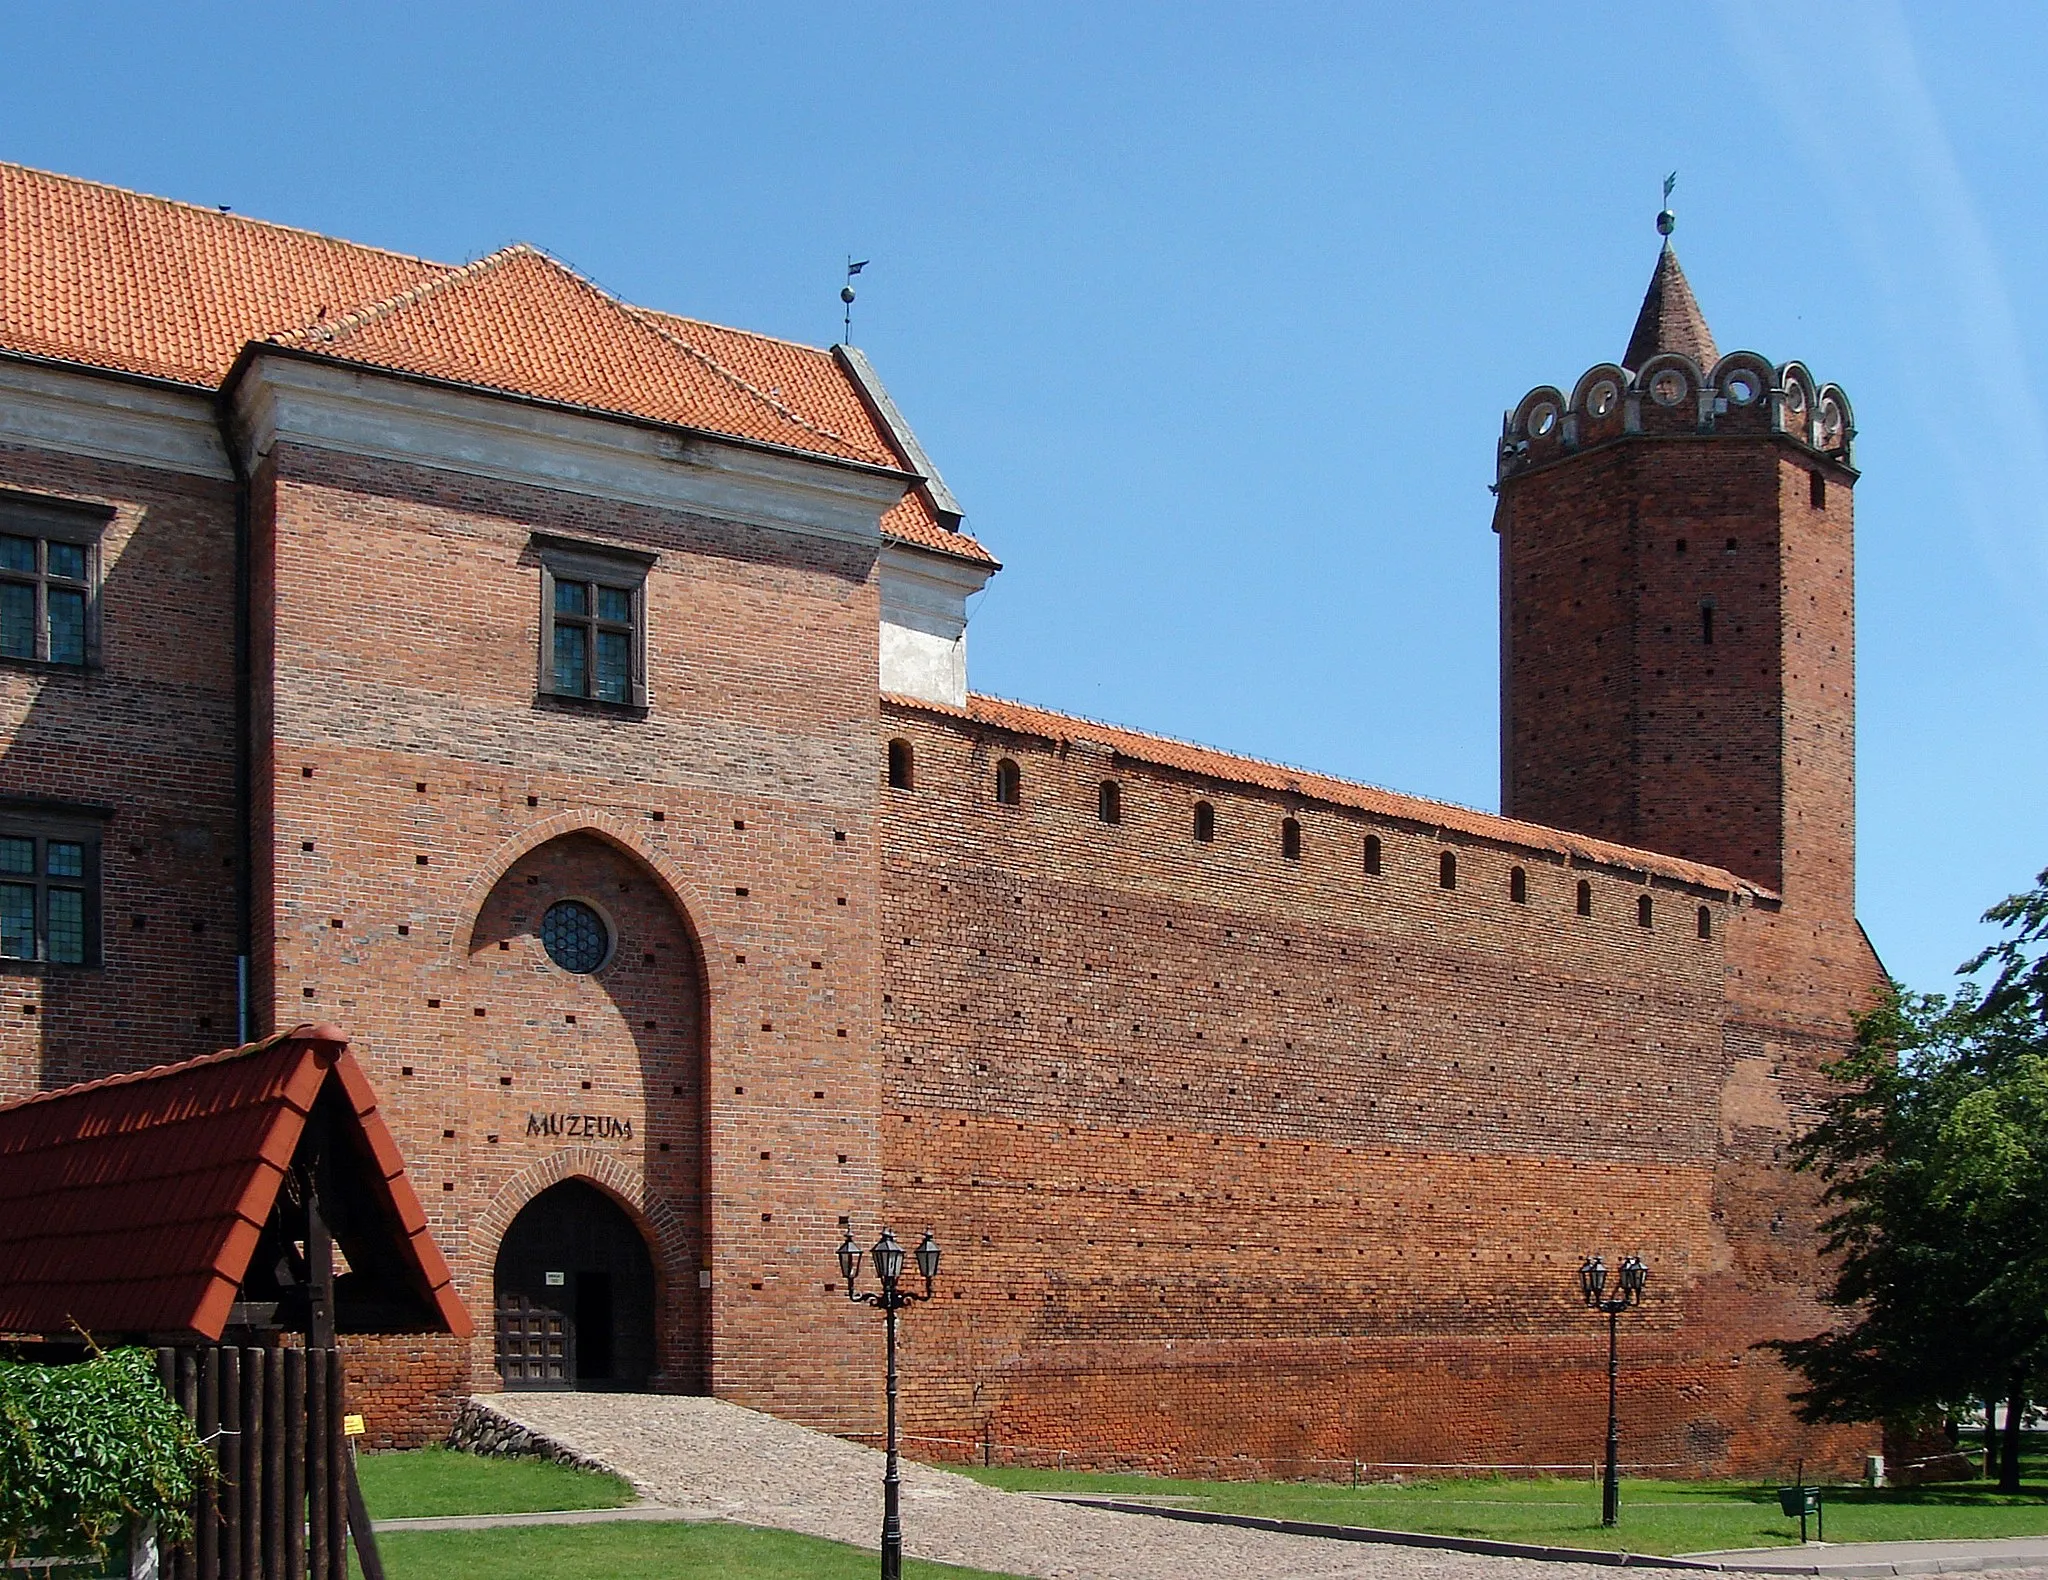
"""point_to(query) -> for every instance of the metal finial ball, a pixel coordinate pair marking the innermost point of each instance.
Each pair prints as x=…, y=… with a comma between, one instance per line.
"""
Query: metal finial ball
x=846, y=294
x=1666, y=221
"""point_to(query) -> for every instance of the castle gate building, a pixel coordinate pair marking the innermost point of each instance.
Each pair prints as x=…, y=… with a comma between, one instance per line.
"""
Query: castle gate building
x=570, y=700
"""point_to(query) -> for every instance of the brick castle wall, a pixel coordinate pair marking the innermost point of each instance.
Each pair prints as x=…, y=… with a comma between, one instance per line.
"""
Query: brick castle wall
x=1245, y=1159
x=1237, y=1158
x=424, y=809
x=147, y=734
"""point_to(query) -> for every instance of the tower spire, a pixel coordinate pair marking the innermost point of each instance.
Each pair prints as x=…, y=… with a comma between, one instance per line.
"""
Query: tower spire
x=1670, y=319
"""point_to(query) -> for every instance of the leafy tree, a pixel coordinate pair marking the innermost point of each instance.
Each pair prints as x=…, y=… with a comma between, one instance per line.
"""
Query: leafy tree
x=85, y=1449
x=1934, y=1149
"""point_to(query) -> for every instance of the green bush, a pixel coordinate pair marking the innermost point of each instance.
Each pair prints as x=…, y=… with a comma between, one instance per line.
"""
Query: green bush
x=85, y=1449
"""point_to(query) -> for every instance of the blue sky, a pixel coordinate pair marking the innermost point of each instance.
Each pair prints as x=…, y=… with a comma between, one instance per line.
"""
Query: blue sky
x=1210, y=313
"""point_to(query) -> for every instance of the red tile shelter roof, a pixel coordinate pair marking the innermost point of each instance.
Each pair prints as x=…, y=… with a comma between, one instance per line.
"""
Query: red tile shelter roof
x=1164, y=751
x=132, y=1205
x=112, y=279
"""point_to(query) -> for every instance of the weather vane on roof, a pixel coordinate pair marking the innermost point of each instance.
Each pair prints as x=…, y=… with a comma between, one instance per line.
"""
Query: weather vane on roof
x=846, y=296
x=1665, y=218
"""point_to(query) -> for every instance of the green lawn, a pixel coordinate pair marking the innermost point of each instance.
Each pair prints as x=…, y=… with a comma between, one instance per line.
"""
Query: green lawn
x=440, y=1481
x=645, y=1551
x=1656, y=1516
x=437, y=1481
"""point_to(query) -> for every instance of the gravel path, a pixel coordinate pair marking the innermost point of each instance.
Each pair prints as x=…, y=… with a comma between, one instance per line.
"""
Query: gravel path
x=755, y=1469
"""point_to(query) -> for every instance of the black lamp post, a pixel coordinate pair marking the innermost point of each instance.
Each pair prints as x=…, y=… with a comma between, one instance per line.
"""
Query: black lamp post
x=888, y=1260
x=1629, y=1278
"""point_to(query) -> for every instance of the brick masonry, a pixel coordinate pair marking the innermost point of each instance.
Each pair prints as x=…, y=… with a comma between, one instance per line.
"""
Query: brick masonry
x=1251, y=1158
x=1240, y=1157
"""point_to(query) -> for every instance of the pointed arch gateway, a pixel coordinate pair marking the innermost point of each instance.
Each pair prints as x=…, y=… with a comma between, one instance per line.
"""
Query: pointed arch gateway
x=592, y=1059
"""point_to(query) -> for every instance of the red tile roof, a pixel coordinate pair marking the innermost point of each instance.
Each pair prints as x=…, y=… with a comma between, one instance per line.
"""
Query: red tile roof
x=1164, y=751
x=132, y=1205
x=113, y=279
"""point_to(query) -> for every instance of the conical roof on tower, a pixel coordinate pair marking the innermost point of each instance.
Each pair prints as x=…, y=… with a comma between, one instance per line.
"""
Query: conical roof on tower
x=1671, y=319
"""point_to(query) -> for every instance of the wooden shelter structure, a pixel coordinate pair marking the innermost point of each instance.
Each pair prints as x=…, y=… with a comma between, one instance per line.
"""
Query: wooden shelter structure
x=196, y=1207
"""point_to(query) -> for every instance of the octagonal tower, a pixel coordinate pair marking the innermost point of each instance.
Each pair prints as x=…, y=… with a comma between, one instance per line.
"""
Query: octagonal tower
x=1677, y=606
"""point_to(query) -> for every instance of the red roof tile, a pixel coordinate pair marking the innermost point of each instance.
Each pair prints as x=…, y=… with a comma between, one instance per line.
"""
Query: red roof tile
x=96, y=275
x=131, y=1205
x=1164, y=751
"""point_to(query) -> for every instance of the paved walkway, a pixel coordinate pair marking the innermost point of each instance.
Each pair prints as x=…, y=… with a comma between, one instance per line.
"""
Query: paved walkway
x=704, y=1454
x=2017, y=1553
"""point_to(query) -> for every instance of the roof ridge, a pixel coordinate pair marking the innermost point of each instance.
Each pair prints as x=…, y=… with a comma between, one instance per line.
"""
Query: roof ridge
x=774, y=403
x=1568, y=840
x=304, y=1032
x=218, y=214
x=730, y=329
x=328, y=331
x=1225, y=751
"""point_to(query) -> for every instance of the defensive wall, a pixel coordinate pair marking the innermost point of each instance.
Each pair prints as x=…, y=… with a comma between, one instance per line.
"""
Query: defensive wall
x=1264, y=1117
x=1257, y=1157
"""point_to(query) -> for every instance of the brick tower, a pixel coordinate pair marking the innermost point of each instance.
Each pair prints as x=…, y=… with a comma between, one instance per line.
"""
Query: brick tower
x=1677, y=607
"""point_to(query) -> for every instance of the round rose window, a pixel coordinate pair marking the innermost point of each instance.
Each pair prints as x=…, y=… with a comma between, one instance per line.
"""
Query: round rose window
x=575, y=936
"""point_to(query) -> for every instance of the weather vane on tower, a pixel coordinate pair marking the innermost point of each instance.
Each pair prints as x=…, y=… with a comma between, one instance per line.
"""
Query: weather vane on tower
x=1666, y=220
x=846, y=296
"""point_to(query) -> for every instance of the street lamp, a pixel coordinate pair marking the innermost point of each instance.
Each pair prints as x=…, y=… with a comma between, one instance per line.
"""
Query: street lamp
x=1629, y=1279
x=887, y=1256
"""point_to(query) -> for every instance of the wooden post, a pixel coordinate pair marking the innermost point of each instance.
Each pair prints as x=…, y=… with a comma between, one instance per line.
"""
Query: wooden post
x=294, y=1567
x=320, y=1275
x=167, y=1374
x=252, y=1465
x=337, y=1462
x=206, y=1523
x=231, y=1464
x=188, y=1400
x=276, y=1512
x=319, y=1484
x=367, y=1556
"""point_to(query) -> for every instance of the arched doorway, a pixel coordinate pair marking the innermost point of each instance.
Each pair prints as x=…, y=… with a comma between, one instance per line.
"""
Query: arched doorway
x=589, y=1065
x=575, y=1294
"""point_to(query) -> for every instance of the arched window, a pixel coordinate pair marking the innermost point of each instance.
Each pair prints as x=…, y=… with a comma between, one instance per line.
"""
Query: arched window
x=1009, y=783
x=1644, y=910
x=1518, y=885
x=1109, y=802
x=1585, y=898
x=1706, y=923
x=1290, y=839
x=900, y=762
x=1447, y=871
x=1372, y=855
x=1205, y=822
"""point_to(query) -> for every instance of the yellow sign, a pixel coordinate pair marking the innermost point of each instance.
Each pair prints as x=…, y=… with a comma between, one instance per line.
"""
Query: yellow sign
x=352, y=1425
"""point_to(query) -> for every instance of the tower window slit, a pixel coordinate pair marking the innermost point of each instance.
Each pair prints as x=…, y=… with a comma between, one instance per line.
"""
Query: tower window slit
x=1644, y=910
x=1205, y=822
x=1706, y=922
x=1009, y=783
x=1109, y=802
x=1447, y=871
x=1290, y=839
x=901, y=765
x=1585, y=898
x=1518, y=885
x=1372, y=855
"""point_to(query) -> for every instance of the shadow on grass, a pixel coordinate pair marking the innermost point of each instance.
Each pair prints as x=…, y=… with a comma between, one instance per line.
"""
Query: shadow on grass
x=1656, y=1516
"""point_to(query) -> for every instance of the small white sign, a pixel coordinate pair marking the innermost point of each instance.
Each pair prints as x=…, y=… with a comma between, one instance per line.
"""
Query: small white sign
x=557, y=1280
